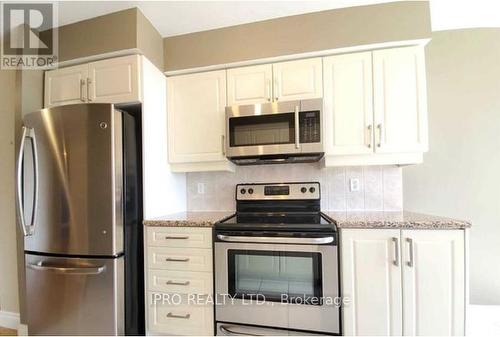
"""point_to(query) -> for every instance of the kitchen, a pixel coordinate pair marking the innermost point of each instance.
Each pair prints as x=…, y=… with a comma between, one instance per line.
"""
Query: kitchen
x=185, y=185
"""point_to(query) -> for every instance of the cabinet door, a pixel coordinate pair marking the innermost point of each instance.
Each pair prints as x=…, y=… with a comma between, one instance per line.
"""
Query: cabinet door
x=196, y=110
x=348, y=110
x=433, y=282
x=249, y=85
x=66, y=86
x=114, y=80
x=400, y=100
x=371, y=279
x=300, y=79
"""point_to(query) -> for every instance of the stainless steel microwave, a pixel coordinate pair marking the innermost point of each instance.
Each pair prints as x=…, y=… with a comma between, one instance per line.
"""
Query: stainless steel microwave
x=271, y=133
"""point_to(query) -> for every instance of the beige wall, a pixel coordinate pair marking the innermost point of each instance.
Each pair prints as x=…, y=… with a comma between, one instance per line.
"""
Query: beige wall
x=298, y=34
x=460, y=176
x=127, y=29
x=8, y=261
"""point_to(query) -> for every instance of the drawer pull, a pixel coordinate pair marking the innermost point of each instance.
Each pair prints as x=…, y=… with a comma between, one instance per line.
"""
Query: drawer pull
x=171, y=315
x=176, y=237
x=175, y=259
x=185, y=283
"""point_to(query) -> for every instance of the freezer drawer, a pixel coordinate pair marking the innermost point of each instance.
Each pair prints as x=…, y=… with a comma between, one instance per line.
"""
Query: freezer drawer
x=74, y=296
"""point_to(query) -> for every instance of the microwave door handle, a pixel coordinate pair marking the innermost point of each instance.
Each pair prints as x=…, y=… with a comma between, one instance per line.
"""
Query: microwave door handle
x=297, y=128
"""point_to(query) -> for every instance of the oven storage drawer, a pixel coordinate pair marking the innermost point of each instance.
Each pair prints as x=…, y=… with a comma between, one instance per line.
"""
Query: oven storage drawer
x=184, y=237
x=180, y=319
x=181, y=282
x=193, y=259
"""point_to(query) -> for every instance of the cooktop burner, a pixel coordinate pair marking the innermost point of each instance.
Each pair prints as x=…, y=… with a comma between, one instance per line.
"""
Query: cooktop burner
x=293, y=207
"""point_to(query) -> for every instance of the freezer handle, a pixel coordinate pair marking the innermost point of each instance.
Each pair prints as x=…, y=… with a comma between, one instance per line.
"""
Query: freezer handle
x=27, y=133
x=92, y=270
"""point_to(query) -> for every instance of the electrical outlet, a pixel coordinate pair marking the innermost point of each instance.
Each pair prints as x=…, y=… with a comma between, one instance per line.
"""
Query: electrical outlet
x=354, y=184
x=201, y=188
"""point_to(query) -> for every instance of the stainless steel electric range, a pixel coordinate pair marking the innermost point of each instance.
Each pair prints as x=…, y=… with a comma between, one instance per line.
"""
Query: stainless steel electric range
x=276, y=263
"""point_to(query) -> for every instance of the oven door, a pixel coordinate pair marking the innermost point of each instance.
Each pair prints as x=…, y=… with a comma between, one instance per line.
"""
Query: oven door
x=286, y=286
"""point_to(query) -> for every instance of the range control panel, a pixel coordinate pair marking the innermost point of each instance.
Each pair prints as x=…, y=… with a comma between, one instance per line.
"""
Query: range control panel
x=278, y=191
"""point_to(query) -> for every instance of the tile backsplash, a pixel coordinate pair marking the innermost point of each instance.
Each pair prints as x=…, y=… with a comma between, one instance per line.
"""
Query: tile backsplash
x=380, y=187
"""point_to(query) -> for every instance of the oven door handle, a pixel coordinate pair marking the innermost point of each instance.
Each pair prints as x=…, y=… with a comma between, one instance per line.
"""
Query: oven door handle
x=265, y=239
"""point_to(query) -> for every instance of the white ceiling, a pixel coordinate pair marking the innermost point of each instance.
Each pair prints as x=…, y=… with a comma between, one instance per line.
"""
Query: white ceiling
x=181, y=17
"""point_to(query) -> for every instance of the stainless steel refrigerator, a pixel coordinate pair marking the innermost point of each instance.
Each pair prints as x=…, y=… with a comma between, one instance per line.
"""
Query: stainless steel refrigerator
x=79, y=204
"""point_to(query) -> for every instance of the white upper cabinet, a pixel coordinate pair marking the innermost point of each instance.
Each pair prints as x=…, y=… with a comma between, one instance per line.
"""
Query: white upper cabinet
x=434, y=282
x=196, y=121
x=283, y=81
x=115, y=80
x=249, y=85
x=66, y=86
x=371, y=279
x=400, y=100
x=348, y=110
x=295, y=80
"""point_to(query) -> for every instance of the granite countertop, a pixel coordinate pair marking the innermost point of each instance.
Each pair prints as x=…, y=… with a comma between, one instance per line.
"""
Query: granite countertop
x=396, y=220
x=350, y=219
x=188, y=219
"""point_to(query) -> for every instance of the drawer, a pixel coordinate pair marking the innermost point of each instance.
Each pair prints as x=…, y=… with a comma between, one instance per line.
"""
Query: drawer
x=182, y=259
x=186, y=237
x=180, y=319
x=181, y=282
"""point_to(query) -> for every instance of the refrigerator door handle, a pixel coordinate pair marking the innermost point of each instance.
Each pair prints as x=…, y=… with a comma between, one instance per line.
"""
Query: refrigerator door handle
x=93, y=270
x=32, y=135
x=19, y=183
x=26, y=133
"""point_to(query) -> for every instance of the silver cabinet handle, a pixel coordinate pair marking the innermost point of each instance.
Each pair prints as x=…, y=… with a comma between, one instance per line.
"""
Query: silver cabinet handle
x=172, y=315
x=39, y=266
x=264, y=239
x=82, y=91
x=175, y=259
x=370, y=136
x=27, y=133
x=268, y=88
x=89, y=82
x=168, y=237
x=276, y=89
x=223, y=141
x=174, y=283
x=226, y=330
x=297, y=128
x=410, y=248
x=379, y=127
x=396, y=251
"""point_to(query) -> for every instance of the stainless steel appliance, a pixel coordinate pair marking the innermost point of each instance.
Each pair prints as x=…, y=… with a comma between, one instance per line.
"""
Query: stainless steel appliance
x=273, y=133
x=276, y=263
x=79, y=206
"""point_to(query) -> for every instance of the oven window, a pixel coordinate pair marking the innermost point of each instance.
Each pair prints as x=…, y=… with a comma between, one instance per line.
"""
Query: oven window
x=273, y=274
x=262, y=130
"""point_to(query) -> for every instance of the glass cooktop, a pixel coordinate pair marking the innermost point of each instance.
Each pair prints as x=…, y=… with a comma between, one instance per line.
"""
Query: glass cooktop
x=293, y=221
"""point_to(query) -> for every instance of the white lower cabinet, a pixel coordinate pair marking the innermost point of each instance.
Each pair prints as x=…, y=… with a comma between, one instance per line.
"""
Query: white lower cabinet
x=372, y=281
x=179, y=281
x=433, y=282
x=409, y=282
